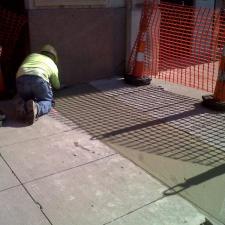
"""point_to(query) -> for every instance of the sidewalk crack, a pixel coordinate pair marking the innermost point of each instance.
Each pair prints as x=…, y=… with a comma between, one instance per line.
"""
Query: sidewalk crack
x=32, y=198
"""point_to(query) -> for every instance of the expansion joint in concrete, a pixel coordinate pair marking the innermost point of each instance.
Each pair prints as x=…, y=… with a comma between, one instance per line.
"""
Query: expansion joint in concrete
x=33, y=139
x=32, y=198
x=132, y=211
x=71, y=168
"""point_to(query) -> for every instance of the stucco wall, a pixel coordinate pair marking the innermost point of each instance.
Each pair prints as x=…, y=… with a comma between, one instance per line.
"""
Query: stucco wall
x=90, y=41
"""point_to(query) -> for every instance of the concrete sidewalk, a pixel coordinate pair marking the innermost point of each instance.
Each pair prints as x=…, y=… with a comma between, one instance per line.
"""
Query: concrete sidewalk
x=54, y=172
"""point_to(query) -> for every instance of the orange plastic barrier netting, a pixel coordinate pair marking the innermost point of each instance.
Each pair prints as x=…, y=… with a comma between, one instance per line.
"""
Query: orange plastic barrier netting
x=183, y=44
x=10, y=28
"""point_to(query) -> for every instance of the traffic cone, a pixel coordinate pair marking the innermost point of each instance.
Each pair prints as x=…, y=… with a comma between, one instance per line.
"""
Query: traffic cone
x=137, y=76
x=217, y=100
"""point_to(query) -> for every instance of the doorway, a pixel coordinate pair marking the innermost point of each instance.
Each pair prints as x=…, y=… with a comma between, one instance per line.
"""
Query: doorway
x=14, y=38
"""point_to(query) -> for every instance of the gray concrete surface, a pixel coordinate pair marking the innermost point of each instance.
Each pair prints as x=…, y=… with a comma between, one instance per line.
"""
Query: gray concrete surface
x=57, y=172
x=8, y=180
x=182, y=143
x=18, y=208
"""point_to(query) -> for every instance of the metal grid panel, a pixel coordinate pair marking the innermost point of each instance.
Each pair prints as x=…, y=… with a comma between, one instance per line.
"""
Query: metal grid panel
x=179, y=128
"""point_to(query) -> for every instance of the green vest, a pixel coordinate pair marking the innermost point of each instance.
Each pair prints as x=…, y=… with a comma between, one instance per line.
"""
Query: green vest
x=40, y=65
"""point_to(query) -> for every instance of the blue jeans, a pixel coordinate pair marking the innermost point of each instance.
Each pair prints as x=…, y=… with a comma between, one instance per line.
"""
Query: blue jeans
x=35, y=88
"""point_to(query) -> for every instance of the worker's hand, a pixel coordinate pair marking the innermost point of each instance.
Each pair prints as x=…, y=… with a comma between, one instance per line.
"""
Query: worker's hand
x=62, y=87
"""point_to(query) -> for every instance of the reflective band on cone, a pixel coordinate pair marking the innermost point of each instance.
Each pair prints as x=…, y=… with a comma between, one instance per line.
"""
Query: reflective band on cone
x=139, y=65
x=140, y=58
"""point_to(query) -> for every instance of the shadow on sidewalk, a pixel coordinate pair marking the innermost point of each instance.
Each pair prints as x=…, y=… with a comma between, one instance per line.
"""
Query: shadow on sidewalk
x=196, y=180
x=198, y=110
x=168, y=128
x=7, y=107
x=148, y=119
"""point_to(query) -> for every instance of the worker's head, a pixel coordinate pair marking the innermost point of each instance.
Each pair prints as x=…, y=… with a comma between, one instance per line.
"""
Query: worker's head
x=49, y=51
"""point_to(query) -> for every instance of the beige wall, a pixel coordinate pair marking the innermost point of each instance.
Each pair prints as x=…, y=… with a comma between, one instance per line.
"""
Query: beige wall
x=90, y=41
x=94, y=38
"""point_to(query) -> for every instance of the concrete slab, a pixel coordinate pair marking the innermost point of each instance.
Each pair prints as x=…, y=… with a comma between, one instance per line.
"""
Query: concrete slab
x=17, y=208
x=181, y=143
x=150, y=99
x=99, y=114
x=179, y=89
x=15, y=133
x=164, y=213
x=113, y=87
x=8, y=180
x=208, y=127
x=96, y=193
x=76, y=179
x=200, y=184
x=44, y=156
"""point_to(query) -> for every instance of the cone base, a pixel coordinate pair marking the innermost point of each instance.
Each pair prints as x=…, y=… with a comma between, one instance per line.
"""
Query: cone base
x=137, y=81
x=210, y=102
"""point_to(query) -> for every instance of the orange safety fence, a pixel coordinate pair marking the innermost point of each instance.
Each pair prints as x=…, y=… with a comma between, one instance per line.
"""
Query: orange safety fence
x=183, y=44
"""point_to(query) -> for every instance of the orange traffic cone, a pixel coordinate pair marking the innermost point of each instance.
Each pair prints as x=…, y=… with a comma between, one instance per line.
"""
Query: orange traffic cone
x=138, y=77
x=137, y=74
x=217, y=100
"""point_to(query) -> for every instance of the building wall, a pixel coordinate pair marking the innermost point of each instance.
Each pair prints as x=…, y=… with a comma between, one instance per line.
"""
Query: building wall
x=90, y=41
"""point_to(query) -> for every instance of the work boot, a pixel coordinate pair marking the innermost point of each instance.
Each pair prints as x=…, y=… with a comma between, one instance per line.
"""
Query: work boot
x=20, y=109
x=31, y=110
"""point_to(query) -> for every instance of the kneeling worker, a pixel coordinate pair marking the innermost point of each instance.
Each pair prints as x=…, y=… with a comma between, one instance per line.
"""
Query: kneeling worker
x=33, y=81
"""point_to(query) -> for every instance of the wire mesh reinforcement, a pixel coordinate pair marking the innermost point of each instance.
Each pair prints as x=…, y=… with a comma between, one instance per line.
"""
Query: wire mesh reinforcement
x=184, y=44
x=174, y=127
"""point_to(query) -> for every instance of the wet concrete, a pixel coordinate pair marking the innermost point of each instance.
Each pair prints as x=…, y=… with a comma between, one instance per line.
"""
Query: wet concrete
x=169, y=135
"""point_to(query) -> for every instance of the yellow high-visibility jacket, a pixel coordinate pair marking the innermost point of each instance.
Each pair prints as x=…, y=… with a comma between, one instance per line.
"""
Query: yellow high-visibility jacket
x=40, y=65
